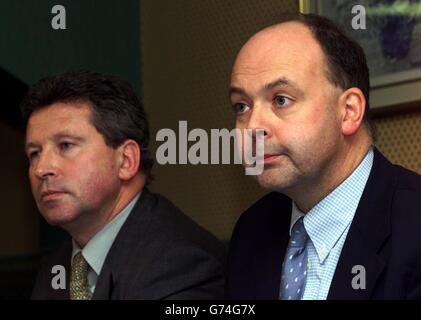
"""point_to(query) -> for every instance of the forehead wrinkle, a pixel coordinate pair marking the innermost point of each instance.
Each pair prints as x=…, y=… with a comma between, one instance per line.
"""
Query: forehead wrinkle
x=57, y=119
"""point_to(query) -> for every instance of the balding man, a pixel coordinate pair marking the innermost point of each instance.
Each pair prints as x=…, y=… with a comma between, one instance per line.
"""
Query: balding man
x=341, y=221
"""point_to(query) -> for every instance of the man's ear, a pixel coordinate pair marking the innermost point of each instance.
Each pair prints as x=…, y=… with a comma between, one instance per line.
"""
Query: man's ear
x=130, y=157
x=352, y=102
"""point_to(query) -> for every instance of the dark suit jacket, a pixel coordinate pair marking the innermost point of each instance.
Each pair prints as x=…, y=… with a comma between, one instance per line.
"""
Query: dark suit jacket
x=159, y=253
x=384, y=237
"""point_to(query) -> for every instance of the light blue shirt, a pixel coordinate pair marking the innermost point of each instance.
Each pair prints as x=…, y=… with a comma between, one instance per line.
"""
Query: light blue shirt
x=96, y=250
x=327, y=225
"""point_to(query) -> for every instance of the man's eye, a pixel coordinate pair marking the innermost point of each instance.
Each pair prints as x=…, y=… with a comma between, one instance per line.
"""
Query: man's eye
x=282, y=101
x=33, y=154
x=240, y=108
x=65, y=145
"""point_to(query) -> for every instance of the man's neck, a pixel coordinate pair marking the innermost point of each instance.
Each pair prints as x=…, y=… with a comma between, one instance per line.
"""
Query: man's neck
x=338, y=171
x=89, y=224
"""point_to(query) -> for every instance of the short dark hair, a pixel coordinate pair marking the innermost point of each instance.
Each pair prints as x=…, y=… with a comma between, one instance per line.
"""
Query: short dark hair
x=117, y=112
x=345, y=58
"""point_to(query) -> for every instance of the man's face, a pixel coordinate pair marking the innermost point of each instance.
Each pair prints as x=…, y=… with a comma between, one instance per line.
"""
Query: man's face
x=279, y=84
x=73, y=173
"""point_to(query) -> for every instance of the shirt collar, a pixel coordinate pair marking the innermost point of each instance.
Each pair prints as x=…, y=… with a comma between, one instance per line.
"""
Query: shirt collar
x=96, y=250
x=328, y=220
x=296, y=214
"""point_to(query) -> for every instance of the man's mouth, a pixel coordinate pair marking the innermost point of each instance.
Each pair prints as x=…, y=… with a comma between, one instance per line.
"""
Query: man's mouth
x=270, y=157
x=49, y=195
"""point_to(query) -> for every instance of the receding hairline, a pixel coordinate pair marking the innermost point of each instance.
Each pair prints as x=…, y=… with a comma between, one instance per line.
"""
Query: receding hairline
x=277, y=28
x=283, y=23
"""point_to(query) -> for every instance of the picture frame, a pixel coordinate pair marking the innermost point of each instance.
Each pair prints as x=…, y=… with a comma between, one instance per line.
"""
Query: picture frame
x=391, y=40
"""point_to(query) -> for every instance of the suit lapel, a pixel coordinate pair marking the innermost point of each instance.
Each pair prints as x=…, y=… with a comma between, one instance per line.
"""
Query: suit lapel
x=62, y=258
x=269, y=269
x=368, y=232
x=132, y=231
x=64, y=294
x=104, y=286
x=272, y=248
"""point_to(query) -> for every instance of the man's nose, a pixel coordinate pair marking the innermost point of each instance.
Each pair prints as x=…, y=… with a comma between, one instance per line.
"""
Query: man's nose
x=45, y=165
x=259, y=119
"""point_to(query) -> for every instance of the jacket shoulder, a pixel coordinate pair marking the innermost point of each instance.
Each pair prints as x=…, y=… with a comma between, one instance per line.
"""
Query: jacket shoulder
x=274, y=207
x=408, y=179
x=176, y=226
x=170, y=255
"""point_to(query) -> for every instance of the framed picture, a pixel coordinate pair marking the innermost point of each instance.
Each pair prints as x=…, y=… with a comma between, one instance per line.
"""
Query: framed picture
x=390, y=33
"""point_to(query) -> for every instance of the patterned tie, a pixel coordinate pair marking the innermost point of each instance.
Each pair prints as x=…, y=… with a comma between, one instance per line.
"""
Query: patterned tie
x=79, y=289
x=294, y=268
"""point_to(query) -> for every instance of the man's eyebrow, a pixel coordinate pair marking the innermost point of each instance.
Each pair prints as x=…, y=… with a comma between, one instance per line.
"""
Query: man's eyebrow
x=67, y=134
x=236, y=90
x=57, y=136
x=281, y=82
x=30, y=145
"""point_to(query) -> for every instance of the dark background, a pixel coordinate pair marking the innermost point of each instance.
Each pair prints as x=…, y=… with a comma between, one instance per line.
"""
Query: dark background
x=103, y=36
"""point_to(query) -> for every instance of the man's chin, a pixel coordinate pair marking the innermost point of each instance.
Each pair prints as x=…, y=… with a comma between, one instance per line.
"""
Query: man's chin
x=60, y=219
x=274, y=181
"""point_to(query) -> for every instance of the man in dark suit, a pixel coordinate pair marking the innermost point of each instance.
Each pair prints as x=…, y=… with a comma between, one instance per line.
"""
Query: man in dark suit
x=342, y=222
x=87, y=144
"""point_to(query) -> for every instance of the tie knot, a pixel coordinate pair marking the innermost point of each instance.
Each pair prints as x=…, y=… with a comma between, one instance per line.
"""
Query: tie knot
x=299, y=235
x=79, y=263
